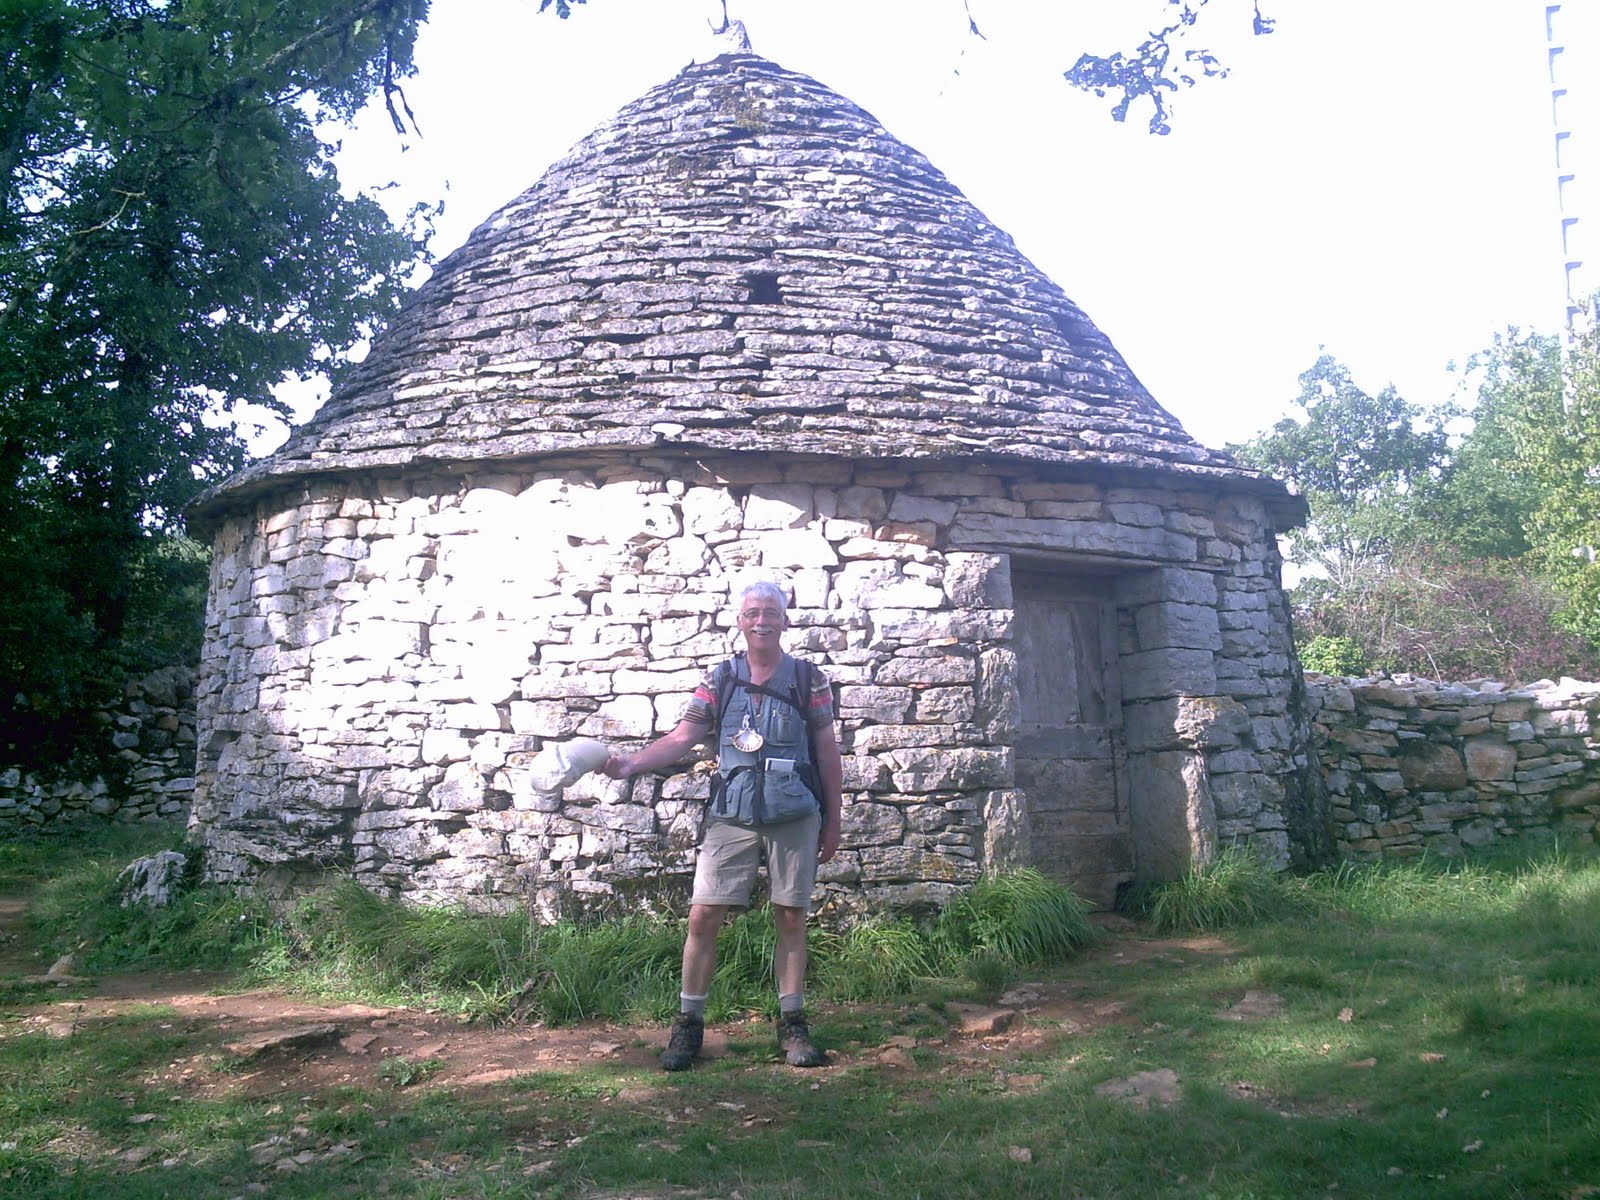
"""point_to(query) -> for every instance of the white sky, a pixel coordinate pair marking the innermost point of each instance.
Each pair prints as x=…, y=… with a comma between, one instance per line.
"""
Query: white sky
x=1377, y=176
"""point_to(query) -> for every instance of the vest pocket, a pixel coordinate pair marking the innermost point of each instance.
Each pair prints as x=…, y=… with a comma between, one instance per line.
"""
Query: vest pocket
x=757, y=798
x=788, y=726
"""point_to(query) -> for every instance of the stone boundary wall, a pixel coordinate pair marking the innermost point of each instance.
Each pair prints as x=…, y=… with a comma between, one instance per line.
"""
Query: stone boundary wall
x=152, y=731
x=1415, y=767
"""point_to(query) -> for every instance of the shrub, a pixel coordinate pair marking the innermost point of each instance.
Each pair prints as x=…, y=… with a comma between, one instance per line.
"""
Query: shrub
x=1422, y=611
x=1333, y=655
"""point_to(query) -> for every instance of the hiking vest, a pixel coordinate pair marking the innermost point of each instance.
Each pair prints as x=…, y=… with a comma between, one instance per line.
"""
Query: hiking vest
x=777, y=782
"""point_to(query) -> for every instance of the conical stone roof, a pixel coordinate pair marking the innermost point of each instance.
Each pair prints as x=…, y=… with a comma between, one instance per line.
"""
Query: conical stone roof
x=741, y=259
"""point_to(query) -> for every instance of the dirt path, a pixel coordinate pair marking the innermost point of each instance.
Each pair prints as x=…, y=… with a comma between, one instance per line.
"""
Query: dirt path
x=275, y=1044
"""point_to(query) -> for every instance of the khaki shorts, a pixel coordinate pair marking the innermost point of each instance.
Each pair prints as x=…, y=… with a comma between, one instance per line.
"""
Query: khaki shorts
x=730, y=856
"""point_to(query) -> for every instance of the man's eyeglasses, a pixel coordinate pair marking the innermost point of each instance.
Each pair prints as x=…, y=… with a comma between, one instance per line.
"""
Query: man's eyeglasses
x=756, y=614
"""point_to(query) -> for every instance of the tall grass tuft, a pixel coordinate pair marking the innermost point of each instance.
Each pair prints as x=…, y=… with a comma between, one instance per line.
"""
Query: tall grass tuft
x=347, y=942
x=1019, y=918
x=402, y=948
x=744, y=964
x=491, y=964
x=1234, y=889
x=1551, y=894
x=878, y=959
x=622, y=969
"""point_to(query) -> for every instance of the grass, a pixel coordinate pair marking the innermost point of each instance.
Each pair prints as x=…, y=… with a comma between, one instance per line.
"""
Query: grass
x=73, y=880
x=1436, y=1034
x=344, y=942
x=1233, y=890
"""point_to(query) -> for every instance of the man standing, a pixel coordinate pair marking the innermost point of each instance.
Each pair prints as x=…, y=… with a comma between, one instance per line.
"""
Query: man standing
x=777, y=792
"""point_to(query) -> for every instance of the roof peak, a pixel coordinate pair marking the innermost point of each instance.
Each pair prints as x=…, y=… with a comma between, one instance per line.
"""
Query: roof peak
x=731, y=38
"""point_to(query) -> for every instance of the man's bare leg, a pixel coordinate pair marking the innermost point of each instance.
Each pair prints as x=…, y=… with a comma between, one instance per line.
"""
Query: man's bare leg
x=700, y=947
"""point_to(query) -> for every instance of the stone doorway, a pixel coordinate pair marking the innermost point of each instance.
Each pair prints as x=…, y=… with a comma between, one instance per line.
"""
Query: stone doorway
x=1069, y=751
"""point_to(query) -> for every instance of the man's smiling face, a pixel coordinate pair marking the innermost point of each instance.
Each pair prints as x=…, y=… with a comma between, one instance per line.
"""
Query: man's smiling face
x=761, y=621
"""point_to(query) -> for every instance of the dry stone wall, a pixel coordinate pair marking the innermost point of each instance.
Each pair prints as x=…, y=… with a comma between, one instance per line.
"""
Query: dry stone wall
x=152, y=734
x=1417, y=767
x=387, y=654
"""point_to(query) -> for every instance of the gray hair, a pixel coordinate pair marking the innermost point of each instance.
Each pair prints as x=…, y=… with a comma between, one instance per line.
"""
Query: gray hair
x=766, y=590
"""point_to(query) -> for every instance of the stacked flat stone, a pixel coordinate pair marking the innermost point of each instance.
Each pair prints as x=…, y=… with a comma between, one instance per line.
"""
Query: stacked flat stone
x=152, y=732
x=388, y=655
x=1414, y=766
x=742, y=259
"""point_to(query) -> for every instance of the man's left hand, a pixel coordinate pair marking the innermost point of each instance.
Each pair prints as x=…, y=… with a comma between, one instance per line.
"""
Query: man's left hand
x=828, y=842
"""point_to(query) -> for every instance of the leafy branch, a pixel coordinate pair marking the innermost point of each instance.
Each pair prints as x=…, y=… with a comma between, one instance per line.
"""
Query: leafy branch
x=1144, y=73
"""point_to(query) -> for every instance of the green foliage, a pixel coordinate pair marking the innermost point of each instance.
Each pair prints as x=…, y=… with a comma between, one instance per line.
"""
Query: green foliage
x=1233, y=890
x=1432, y=615
x=1558, y=438
x=403, y=1072
x=31, y=861
x=1451, y=561
x=1482, y=503
x=1153, y=70
x=173, y=244
x=1357, y=458
x=1333, y=655
x=1150, y=71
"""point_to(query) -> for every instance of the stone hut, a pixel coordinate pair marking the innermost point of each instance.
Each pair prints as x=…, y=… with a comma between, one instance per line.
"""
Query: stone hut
x=742, y=331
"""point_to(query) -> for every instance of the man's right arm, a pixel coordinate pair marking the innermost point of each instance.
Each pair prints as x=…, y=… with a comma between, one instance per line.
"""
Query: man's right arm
x=693, y=727
x=662, y=752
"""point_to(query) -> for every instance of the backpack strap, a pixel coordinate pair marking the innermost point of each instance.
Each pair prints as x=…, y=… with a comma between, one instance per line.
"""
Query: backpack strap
x=728, y=678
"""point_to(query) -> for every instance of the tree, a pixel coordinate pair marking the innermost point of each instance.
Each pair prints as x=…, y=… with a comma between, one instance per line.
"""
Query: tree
x=1482, y=504
x=1359, y=459
x=173, y=244
x=1559, y=444
x=1451, y=561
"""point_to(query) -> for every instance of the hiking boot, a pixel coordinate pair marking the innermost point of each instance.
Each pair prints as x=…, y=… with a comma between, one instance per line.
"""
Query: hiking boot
x=794, y=1039
x=688, y=1034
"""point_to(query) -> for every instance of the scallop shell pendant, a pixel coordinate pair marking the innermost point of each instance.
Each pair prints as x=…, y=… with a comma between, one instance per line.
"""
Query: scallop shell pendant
x=747, y=739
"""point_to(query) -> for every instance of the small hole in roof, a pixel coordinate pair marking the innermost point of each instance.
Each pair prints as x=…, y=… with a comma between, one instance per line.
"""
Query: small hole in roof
x=764, y=287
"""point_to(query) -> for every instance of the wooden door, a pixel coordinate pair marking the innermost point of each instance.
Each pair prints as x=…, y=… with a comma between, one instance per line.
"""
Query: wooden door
x=1069, y=746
